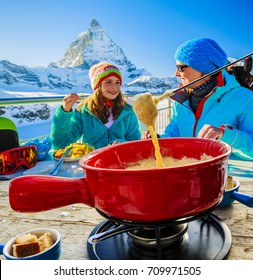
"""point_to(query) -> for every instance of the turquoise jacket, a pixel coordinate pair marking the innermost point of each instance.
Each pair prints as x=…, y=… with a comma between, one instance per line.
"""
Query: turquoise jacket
x=228, y=104
x=69, y=127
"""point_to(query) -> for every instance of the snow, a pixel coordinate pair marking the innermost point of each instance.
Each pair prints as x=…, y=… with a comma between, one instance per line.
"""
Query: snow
x=70, y=74
x=29, y=130
x=13, y=94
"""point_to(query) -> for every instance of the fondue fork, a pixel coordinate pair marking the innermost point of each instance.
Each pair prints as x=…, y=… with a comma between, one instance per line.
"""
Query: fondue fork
x=144, y=102
x=168, y=93
x=58, y=165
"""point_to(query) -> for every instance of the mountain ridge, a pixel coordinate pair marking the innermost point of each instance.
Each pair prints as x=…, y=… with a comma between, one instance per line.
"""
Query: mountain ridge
x=71, y=72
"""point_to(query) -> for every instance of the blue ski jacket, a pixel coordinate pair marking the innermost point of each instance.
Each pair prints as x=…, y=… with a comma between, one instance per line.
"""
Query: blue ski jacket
x=69, y=127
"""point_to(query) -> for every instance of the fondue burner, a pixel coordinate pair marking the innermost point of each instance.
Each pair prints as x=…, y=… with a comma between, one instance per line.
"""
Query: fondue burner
x=205, y=238
x=169, y=235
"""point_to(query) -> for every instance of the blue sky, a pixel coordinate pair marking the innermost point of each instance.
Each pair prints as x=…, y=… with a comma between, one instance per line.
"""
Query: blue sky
x=37, y=32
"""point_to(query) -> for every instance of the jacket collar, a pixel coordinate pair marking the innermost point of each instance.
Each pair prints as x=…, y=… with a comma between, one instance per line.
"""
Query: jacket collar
x=223, y=78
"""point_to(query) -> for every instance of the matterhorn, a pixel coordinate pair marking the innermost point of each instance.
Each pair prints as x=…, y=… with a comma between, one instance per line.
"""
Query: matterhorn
x=71, y=72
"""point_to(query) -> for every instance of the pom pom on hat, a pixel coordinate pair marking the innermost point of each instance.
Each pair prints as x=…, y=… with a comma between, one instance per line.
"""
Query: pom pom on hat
x=203, y=55
x=101, y=71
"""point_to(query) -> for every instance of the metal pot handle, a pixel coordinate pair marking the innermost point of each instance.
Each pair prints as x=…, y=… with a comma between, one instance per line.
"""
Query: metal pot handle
x=243, y=198
x=109, y=233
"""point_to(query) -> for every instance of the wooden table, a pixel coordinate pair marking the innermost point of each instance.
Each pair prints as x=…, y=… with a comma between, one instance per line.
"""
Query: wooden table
x=75, y=222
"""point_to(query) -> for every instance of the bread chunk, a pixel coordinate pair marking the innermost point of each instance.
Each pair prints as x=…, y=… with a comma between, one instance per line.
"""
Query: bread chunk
x=45, y=241
x=229, y=183
x=29, y=244
x=26, y=238
x=26, y=249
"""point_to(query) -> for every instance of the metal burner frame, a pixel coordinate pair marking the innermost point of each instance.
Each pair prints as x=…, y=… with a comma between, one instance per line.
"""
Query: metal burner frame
x=122, y=226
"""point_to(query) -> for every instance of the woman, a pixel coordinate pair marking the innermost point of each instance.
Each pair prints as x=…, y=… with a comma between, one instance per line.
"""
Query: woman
x=101, y=119
x=216, y=107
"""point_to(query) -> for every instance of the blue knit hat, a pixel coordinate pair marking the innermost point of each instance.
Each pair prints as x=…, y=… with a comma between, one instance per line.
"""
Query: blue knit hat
x=203, y=55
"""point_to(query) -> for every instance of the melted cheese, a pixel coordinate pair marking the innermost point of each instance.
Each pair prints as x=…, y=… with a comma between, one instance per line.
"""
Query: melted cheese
x=150, y=163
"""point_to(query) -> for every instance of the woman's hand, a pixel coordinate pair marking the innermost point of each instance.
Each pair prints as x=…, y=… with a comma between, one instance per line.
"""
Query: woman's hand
x=69, y=100
x=211, y=132
x=145, y=134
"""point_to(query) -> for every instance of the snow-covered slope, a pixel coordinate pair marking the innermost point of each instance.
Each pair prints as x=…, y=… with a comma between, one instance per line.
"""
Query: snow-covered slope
x=71, y=72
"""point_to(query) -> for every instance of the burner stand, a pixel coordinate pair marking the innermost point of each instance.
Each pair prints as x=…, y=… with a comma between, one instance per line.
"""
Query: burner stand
x=206, y=238
x=158, y=237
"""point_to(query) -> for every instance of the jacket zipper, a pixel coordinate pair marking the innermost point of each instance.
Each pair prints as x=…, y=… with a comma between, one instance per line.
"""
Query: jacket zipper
x=200, y=110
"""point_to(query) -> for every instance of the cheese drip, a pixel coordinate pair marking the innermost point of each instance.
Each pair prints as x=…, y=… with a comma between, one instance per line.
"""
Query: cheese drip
x=158, y=156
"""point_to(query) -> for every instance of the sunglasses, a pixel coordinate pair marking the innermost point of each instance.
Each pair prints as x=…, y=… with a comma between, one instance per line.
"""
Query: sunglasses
x=180, y=68
x=11, y=160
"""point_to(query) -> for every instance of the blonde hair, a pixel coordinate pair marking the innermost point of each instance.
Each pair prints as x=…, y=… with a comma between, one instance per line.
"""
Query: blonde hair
x=96, y=104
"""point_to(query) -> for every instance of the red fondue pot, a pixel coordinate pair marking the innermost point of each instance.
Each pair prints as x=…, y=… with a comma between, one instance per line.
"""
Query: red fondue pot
x=134, y=195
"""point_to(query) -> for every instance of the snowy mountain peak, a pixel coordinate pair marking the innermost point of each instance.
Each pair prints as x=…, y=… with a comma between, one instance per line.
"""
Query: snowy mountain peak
x=93, y=46
x=95, y=24
x=71, y=72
